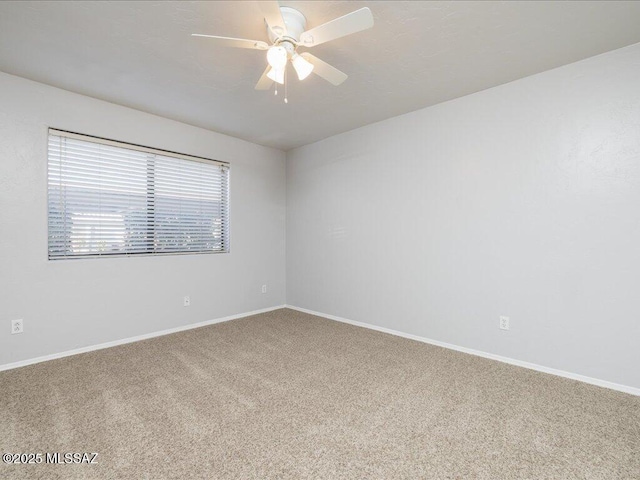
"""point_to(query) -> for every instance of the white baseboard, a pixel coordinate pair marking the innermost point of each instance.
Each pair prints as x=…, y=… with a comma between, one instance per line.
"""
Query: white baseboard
x=499, y=358
x=137, y=338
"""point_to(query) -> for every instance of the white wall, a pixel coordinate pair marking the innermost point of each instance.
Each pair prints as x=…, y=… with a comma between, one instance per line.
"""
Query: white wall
x=522, y=200
x=76, y=303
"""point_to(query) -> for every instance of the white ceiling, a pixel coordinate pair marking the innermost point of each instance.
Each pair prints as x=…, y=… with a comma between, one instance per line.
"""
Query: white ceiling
x=141, y=54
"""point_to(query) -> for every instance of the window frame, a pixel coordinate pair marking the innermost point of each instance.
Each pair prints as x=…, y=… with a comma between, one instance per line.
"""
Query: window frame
x=226, y=232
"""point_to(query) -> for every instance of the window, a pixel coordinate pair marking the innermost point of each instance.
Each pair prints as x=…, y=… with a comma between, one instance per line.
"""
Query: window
x=109, y=198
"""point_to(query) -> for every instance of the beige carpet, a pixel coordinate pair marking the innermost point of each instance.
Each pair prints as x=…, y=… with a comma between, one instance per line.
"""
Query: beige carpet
x=293, y=396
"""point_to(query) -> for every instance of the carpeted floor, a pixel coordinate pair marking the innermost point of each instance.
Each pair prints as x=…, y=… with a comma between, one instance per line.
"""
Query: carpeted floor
x=291, y=396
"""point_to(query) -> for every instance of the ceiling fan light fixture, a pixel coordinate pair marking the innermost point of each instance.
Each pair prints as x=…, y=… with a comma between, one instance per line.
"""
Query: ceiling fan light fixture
x=277, y=75
x=277, y=57
x=286, y=29
x=303, y=67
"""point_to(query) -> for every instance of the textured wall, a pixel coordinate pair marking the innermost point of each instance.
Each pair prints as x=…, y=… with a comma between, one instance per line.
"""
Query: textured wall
x=76, y=303
x=522, y=200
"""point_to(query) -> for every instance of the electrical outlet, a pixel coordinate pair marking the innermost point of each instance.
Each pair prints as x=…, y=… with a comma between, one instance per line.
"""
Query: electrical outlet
x=187, y=301
x=264, y=289
x=504, y=323
x=17, y=326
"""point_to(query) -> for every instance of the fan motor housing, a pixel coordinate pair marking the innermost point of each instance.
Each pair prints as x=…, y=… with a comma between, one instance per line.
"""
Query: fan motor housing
x=295, y=22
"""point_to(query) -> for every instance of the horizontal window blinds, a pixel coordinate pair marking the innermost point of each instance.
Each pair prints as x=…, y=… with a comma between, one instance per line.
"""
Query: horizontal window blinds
x=107, y=198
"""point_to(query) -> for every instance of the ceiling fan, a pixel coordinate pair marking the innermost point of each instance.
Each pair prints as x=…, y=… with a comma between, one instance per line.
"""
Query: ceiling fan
x=286, y=31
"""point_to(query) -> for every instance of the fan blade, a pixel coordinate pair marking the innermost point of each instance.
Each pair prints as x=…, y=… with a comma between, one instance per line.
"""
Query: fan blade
x=265, y=82
x=273, y=16
x=236, y=42
x=340, y=27
x=324, y=70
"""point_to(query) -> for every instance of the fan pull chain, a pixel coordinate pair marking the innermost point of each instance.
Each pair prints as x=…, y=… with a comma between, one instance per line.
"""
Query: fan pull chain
x=286, y=100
